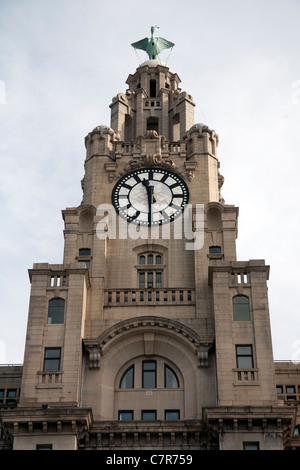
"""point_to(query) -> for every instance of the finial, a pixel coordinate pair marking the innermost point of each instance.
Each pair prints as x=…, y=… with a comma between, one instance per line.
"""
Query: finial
x=153, y=46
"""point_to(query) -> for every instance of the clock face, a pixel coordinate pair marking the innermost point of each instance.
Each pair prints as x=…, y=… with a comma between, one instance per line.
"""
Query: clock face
x=150, y=196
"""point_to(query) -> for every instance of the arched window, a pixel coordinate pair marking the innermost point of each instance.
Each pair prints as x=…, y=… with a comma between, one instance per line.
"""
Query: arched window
x=241, y=308
x=171, y=380
x=56, y=310
x=127, y=380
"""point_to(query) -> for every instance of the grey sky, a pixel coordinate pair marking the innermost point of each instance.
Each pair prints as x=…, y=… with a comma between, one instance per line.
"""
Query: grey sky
x=63, y=61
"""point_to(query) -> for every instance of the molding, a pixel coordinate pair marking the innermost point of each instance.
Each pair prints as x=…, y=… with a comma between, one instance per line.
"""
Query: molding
x=149, y=324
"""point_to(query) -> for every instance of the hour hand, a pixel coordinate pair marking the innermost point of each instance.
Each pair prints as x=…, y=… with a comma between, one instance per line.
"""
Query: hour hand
x=150, y=191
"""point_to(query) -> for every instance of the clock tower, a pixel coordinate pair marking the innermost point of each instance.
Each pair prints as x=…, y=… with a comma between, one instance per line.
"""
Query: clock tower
x=150, y=334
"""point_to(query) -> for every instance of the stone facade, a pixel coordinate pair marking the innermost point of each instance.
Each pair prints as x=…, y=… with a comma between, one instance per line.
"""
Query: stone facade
x=150, y=340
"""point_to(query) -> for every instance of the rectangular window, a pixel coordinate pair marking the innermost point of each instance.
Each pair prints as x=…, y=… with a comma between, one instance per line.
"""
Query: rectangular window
x=150, y=280
x=172, y=415
x=126, y=415
x=158, y=284
x=142, y=280
x=250, y=445
x=52, y=359
x=149, y=415
x=149, y=374
x=279, y=389
x=290, y=389
x=244, y=357
x=44, y=447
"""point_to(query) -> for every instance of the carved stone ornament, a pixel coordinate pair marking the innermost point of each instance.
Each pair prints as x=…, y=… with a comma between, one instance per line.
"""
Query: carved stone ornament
x=94, y=353
x=150, y=160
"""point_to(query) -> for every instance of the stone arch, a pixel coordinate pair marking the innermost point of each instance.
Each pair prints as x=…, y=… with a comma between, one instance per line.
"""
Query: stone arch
x=147, y=337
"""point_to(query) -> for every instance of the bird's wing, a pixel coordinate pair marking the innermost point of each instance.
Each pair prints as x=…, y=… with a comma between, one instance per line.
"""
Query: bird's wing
x=142, y=44
x=162, y=44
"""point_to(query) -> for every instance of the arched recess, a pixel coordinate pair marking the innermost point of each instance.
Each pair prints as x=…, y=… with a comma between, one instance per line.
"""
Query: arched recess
x=214, y=216
x=147, y=338
x=86, y=218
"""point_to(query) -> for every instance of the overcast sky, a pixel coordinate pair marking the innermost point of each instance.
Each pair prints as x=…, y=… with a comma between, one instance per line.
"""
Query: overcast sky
x=62, y=62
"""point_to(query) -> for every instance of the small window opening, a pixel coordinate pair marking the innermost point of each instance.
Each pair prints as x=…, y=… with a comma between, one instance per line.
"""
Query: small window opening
x=152, y=88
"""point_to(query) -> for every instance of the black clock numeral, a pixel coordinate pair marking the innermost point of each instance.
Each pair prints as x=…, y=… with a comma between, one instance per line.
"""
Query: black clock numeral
x=137, y=178
x=135, y=216
x=127, y=206
x=174, y=185
x=127, y=186
x=164, y=178
x=177, y=208
x=164, y=214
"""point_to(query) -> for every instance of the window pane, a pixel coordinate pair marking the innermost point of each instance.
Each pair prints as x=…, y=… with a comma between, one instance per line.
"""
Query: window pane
x=251, y=446
x=84, y=252
x=158, y=279
x=171, y=380
x=215, y=249
x=149, y=415
x=172, y=415
x=150, y=280
x=127, y=379
x=290, y=389
x=142, y=259
x=241, y=309
x=150, y=259
x=149, y=374
x=244, y=357
x=158, y=259
x=56, y=311
x=125, y=415
x=142, y=280
x=52, y=360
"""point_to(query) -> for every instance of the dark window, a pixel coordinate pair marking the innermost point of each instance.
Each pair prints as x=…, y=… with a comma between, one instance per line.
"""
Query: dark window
x=290, y=389
x=241, y=308
x=149, y=374
x=56, y=311
x=141, y=280
x=44, y=447
x=251, y=445
x=152, y=124
x=172, y=415
x=1, y=393
x=244, y=357
x=150, y=280
x=127, y=380
x=152, y=88
x=279, y=389
x=142, y=259
x=149, y=415
x=52, y=359
x=215, y=249
x=150, y=259
x=158, y=259
x=84, y=252
x=12, y=393
x=126, y=415
x=158, y=278
x=171, y=380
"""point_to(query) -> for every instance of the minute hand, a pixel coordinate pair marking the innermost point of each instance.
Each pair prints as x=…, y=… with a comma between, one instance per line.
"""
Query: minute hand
x=150, y=197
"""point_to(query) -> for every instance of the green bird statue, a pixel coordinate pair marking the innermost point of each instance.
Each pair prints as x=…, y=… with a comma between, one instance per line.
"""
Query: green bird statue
x=153, y=46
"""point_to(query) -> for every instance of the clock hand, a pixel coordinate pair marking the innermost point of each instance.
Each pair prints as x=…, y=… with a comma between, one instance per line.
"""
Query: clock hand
x=150, y=197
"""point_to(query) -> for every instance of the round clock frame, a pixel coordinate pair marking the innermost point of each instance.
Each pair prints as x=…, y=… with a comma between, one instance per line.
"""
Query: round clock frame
x=150, y=196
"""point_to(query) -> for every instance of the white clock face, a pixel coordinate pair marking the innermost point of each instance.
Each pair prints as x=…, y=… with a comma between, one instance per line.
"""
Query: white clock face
x=150, y=196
